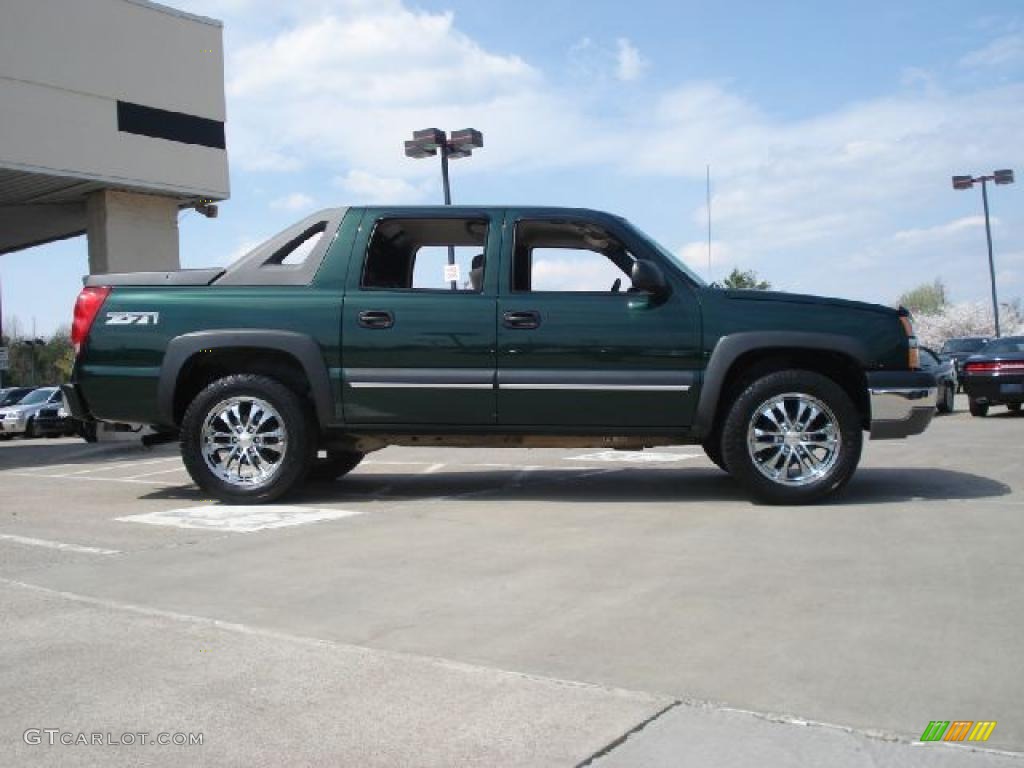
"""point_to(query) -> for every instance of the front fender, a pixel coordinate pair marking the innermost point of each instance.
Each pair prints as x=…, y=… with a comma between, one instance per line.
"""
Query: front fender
x=730, y=348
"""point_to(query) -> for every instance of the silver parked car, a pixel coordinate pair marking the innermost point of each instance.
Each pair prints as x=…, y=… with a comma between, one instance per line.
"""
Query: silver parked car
x=19, y=419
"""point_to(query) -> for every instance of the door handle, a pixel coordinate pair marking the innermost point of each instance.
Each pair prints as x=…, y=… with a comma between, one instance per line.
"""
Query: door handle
x=376, y=319
x=524, y=320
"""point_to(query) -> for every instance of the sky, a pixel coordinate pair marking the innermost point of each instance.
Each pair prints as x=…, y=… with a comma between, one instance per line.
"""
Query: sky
x=831, y=130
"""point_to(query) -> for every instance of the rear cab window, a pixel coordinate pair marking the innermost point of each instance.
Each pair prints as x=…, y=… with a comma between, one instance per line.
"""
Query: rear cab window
x=442, y=254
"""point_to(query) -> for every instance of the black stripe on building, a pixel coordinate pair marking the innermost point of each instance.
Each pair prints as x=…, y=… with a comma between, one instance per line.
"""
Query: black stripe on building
x=173, y=126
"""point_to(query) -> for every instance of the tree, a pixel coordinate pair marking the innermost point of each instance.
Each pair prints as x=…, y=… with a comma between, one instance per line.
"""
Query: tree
x=740, y=279
x=51, y=361
x=926, y=299
x=967, y=319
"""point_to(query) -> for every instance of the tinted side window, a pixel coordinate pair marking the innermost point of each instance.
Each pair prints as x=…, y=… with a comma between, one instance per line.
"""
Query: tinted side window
x=442, y=254
x=569, y=257
x=297, y=251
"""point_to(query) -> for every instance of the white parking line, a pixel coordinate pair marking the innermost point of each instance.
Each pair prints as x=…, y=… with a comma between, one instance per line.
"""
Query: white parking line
x=58, y=545
x=398, y=463
x=633, y=457
x=83, y=477
x=158, y=472
x=432, y=469
x=120, y=465
x=239, y=518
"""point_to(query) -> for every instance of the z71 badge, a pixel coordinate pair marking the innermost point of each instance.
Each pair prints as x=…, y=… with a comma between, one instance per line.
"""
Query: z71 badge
x=133, y=318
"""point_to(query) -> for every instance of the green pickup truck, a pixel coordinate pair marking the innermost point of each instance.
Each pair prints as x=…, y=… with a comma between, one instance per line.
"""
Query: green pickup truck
x=359, y=328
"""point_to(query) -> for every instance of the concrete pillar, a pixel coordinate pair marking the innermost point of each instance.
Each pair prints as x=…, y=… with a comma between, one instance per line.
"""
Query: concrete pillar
x=129, y=232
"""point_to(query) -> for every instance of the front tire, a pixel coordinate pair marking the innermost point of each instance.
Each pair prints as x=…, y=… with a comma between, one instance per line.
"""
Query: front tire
x=248, y=439
x=1013, y=407
x=30, y=429
x=792, y=437
x=977, y=409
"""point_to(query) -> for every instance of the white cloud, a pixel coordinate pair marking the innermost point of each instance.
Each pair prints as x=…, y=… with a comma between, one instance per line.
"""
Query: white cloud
x=630, y=65
x=368, y=188
x=296, y=201
x=243, y=246
x=1008, y=49
x=941, y=232
x=348, y=89
x=695, y=256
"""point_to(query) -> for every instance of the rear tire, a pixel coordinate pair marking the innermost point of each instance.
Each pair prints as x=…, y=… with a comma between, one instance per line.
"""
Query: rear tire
x=792, y=437
x=947, y=402
x=335, y=465
x=977, y=409
x=248, y=439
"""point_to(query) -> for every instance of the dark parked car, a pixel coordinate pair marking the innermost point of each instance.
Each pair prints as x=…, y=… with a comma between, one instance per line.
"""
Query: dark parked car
x=945, y=378
x=959, y=349
x=12, y=395
x=996, y=376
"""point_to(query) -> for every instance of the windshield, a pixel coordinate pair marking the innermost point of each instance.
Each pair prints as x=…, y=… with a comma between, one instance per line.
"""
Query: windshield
x=13, y=397
x=38, y=396
x=1009, y=346
x=963, y=345
x=678, y=262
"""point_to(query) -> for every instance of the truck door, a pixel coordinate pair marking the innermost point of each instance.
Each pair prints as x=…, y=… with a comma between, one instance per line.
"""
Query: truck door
x=577, y=345
x=418, y=333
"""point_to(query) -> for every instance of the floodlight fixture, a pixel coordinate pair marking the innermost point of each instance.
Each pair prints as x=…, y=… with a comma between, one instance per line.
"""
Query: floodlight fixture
x=465, y=141
x=417, y=151
x=1004, y=176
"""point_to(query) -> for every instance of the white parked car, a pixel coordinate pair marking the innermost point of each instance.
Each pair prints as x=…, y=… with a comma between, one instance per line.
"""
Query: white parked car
x=18, y=419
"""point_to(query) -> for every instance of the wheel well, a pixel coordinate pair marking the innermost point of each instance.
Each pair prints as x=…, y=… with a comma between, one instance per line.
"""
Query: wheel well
x=753, y=365
x=206, y=366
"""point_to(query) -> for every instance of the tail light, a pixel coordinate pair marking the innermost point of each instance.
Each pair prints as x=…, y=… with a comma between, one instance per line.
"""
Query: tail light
x=999, y=366
x=87, y=306
x=913, y=354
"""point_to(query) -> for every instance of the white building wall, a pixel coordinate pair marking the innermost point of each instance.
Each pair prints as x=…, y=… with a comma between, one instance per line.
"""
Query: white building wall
x=64, y=64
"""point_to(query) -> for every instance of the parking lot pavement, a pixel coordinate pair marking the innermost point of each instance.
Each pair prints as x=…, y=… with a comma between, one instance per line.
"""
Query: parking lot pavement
x=518, y=607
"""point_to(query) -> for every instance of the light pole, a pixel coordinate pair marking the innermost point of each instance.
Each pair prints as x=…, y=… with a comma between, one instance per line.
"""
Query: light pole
x=428, y=142
x=966, y=182
x=32, y=344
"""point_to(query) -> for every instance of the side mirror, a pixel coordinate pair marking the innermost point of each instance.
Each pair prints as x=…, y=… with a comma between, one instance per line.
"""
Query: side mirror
x=648, y=277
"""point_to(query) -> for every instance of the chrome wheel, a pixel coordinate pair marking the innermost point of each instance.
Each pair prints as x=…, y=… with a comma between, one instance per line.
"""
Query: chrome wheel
x=794, y=439
x=244, y=441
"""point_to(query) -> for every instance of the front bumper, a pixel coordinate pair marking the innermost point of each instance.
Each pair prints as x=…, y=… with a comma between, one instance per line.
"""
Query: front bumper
x=902, y=403
x=51, y=426
x=12, y=426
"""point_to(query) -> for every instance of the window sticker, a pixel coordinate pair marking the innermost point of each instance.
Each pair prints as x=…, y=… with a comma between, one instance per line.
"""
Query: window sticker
x=451, y=273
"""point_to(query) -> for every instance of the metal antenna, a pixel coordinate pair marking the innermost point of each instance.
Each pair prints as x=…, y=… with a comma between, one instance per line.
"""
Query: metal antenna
x=707, y=190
